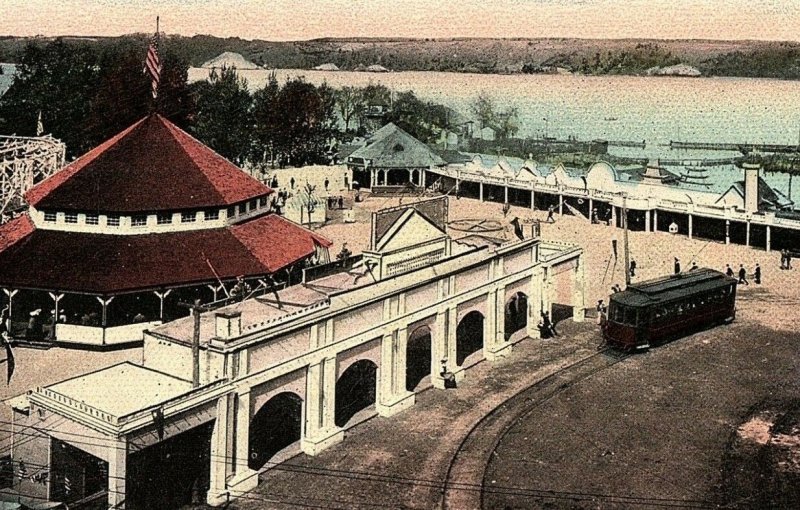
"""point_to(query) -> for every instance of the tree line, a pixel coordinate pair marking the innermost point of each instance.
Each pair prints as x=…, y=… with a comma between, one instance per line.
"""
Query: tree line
x=87, y=93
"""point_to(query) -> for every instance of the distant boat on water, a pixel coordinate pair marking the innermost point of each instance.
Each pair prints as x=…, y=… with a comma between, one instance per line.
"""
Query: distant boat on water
x=610, y=119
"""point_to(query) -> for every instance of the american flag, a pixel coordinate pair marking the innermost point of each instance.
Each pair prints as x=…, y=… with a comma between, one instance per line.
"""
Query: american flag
x=152, y=65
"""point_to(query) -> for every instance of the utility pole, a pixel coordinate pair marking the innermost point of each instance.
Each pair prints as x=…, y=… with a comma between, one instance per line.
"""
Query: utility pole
x=195, y=308
x=627, y=268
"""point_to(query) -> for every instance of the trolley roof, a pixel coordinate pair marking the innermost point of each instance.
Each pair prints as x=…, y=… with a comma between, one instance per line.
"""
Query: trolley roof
x=668, y=288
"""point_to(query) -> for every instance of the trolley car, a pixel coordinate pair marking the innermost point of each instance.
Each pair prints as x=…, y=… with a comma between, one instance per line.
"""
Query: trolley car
x=656, y=311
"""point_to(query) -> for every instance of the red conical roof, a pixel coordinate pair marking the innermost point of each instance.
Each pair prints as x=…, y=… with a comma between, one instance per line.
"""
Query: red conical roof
x=151, y=166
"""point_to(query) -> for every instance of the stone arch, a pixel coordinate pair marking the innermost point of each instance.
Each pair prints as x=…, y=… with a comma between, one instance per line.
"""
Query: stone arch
x=469, y=336
x=356, y=390
x=276, y=426
x=516, y=314
x=419, y=355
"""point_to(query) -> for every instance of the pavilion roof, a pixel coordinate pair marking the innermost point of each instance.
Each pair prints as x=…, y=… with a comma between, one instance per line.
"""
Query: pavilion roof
x=151, y=166
x=106, y=264
x=391, y=147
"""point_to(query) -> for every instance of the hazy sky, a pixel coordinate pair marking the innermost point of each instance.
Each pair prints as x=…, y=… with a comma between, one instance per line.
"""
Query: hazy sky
x=306, y=19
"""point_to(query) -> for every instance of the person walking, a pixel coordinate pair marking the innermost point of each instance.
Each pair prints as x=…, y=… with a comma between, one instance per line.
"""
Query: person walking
x=729, y=271
x=677, y=265
x=601, y=312
x=757, y=275
x=743, y=275
x=550, y=211
x=291, y=182
x=788, y=259
x=633, y=268
x=327, y=182
x=614, y=245
x=783, y=259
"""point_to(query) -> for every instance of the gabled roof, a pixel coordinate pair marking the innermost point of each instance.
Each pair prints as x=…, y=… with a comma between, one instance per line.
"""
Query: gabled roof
x=391, y=147
x=768, y=198
x=106, y=264
x=151, y=166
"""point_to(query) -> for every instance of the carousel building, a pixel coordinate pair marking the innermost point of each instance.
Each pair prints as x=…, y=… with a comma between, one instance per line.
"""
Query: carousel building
x=115, y=242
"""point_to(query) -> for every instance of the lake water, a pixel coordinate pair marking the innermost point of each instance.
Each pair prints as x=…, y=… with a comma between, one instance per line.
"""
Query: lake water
x=655, y=109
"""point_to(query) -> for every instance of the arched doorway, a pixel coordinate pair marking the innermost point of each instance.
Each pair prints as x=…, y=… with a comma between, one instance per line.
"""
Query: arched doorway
x=355, y=390
x=418, y=357
x=516, y=314
x=469, y=336
x=274, y=427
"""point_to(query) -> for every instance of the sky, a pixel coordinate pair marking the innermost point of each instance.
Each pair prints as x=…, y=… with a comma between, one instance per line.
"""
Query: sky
x=281, y=20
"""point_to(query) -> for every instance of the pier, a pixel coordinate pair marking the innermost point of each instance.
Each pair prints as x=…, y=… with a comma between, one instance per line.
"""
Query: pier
x=741, y=147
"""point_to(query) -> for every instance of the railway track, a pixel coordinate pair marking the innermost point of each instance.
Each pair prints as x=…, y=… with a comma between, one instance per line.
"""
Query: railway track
x=463, y=487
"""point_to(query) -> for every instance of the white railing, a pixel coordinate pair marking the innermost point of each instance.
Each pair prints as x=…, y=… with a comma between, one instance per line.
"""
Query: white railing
x=97, y=335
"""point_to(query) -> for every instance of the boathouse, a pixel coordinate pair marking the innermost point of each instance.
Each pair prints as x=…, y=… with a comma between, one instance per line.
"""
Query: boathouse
x=747, y=211
x=114, y=242
x=293, y=370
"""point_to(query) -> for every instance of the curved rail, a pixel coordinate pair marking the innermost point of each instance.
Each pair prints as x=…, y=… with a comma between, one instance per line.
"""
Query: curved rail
x=464, y=485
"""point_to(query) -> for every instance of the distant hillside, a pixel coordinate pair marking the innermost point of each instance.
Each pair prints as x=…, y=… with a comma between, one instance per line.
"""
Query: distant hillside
x=585, y=56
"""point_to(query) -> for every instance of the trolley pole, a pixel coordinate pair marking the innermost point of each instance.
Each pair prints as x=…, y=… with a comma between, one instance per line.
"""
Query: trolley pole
x=195, y=309
x=627, y=268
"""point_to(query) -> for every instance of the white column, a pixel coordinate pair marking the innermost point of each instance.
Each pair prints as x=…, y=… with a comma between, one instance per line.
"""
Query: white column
x=579, y=290
x=494, y=345
x=117, y=474
x=560, y=204
x=747, y=234
x=319, y=430
x=690, y=226
x=480, y=191
x=505, y=194
x=535, y=302
x=769, y=238
x=392, y=395
x=727, y=231
x=533, y=200
x=647, y=220
x=614, y=215
x=244, y=479
x=444, y=346
x=221, y=452
x=655, y=220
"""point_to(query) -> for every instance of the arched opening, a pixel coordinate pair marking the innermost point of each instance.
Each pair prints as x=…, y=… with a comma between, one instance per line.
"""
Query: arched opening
x=418, y=357
x=355, y=390
x=516, y=314
x=275, y=426
x=469, y=336
x=397, y=177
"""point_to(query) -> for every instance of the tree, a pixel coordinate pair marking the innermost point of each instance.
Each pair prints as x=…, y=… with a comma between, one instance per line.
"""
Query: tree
x=484, y=109
x=350, y=103
x=224, y=116
x=305, y=116
x=267, y=121
x=89, y=93
x=56, y=79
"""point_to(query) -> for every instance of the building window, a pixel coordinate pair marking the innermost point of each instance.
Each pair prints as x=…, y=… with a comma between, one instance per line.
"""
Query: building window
x=164, y=218
x=92, y=219
x=139, y=220
x=188, y=217
x=112, y=220
x=50, y=217
x=253, y=205
x=262, y=201
x=212, y=215
x=242, y=208
x=71, y=217
x=231, y=211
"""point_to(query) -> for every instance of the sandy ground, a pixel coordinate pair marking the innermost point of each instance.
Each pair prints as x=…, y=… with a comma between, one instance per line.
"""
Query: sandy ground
x=704, y=386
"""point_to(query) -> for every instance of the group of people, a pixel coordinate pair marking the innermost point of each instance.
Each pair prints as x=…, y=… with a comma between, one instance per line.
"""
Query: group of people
x=336, y=202
x=595, y=217
x=742, y=274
